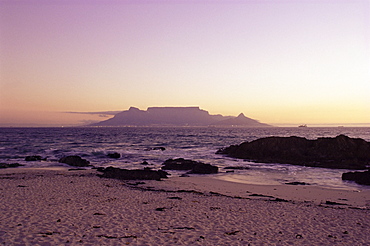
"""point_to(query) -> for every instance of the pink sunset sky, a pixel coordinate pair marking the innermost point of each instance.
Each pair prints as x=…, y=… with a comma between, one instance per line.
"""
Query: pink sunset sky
x=281, y=62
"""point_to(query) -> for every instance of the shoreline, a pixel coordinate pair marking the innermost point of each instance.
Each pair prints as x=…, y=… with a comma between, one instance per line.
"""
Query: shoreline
x=294, y=193
x=58, y=206
x=318, y=195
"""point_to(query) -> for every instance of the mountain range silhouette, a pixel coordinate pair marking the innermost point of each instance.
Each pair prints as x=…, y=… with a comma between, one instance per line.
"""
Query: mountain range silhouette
x=176, y=116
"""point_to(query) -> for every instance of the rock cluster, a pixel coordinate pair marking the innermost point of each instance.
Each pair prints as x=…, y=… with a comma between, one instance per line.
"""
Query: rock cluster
x=137, y=174
x=74, y=160
x=362, y=178
x=156, y=148
x=34, y=158
x=114, y=155
x=6, y=165
x=340, y=152
x=190, y=166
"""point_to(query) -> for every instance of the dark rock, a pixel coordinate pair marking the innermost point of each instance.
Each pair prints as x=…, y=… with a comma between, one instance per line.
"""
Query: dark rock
x=279, y=200
x=334, y=203
x=174, y=198
x=114, y=155
x=232, y=233
x=362, y=178
x=340, y=152
x=99, y=169
x=156, y=148
x=202, y=168
x=74, y=160
x=193, y=166
x=261, y=195
x=237, y=168
x=138, y=174
x=297, y=183
x=5, y=165
x=178, y=164
x=162, y=174
x=99, y=214
x=34, y=158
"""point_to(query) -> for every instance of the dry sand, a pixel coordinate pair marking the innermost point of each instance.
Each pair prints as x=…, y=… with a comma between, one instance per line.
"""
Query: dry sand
x=60, y=207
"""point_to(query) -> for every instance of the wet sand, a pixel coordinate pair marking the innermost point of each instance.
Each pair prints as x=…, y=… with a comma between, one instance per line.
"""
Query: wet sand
x=60, y=207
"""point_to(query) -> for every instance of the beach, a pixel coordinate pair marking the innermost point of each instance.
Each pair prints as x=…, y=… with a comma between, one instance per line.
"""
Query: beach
x=54, y=206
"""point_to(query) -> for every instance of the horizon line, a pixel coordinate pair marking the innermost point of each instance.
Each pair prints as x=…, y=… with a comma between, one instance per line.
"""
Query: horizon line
x=277, y=125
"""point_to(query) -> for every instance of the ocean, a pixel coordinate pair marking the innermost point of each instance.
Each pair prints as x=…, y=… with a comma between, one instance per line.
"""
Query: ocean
x=141, y=144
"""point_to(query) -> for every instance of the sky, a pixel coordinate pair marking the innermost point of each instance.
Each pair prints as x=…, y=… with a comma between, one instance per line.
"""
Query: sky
x=282, y=62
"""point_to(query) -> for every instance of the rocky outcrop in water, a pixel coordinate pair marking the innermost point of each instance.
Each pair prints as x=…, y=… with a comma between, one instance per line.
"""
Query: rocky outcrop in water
x=114, y=155
x=34, y=158
x=192, y=166
x=340, y=152
x=362, y=178
x=74, y=160
x=6, y=165
x=156, y=148
x=137, y=174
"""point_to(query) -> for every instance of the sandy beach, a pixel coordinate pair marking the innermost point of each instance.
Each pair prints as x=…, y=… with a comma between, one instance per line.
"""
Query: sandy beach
x=61, y=207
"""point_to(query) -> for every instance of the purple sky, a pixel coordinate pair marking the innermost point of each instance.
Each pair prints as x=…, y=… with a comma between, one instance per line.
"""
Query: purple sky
x=276, y=61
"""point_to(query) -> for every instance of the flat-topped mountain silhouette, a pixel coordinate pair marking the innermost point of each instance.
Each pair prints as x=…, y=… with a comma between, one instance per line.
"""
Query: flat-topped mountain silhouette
x=176, y=116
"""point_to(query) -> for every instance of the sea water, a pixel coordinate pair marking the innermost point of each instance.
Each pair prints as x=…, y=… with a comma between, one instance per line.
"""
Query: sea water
x=140, y=144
